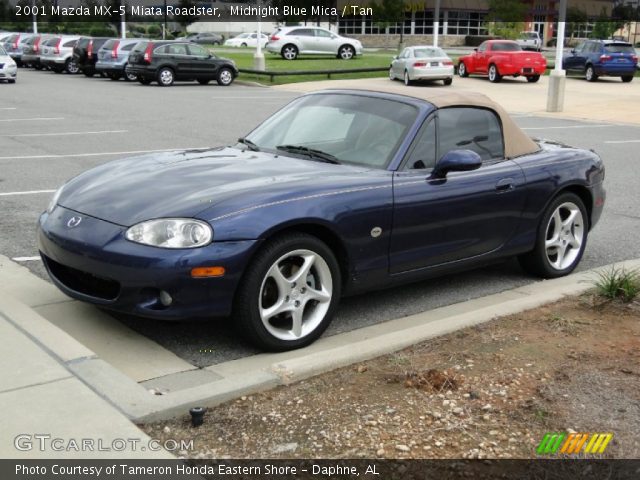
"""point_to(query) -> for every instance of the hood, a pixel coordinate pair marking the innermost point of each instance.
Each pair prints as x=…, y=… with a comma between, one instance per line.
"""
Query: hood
x=182, y=184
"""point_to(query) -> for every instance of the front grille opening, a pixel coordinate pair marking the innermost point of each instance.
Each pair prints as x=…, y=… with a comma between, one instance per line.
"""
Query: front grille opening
x=83, y=282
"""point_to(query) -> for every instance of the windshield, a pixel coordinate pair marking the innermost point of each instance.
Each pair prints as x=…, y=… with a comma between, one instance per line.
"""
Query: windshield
x=2, y=50
x=350, y=128
x=506, y=47
x=429, y=52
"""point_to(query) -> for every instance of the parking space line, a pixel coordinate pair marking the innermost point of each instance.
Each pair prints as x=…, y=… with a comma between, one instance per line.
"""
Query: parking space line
x=29, y=192
x=568, y=126
x=35, y=119
x=98, y=132
x=26, y=259
x=622, y=141
x=7, y=108
x=98, y=154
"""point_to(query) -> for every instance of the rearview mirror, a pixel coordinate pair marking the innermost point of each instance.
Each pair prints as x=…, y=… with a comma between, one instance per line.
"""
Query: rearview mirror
x=457, y=161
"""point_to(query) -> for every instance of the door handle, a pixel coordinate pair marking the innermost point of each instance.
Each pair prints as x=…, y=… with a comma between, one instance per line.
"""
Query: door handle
x=505, y=185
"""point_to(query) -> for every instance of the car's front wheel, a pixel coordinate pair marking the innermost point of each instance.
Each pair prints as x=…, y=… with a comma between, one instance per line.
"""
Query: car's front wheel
x=289, y=52
x=166, y=77
x=627, y=78
x=561, y=238
x=289, y=293
x=346, y=52
x=462, y=70
x=225, y=77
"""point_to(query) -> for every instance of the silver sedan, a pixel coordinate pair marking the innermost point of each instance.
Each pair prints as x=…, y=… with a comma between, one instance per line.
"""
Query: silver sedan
x=422, y=63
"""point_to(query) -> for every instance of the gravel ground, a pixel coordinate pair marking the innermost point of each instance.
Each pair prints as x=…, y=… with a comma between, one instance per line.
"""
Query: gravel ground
x=490, y=391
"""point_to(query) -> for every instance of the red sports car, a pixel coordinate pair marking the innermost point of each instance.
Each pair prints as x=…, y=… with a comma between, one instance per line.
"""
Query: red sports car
x=499, y=58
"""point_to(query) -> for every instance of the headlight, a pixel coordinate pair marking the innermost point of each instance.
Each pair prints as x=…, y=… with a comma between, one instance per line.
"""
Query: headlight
x=171, y=233
x=54, y=200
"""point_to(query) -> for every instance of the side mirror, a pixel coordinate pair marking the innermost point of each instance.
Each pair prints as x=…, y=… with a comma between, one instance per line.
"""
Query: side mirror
x=395, y=57
x=457, y=161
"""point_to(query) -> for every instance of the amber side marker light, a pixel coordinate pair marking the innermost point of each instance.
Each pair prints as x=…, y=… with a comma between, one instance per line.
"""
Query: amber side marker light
x=203, y=272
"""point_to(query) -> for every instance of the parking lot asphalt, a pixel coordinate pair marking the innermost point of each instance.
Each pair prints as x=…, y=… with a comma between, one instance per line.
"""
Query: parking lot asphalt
x=53, y=127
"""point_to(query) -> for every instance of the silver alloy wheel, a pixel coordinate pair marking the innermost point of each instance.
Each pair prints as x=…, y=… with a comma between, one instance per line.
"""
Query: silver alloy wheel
x=130, y=76
x=391, y=75
x=564, y=236
x=289, y=52
x=346, y=53
x=295, y=295
x=72, y=67
x=493, y=71
x=166, y=77
x=407, y=80
x=226, y=77
x=589, y=74
x=462, y=70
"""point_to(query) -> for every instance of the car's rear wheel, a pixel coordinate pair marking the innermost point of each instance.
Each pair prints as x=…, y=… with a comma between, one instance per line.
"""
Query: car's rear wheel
x=346, y=52
x=130, y=77
x=448, y=81
x=243, y=45
x=561, y=238
x=71, y=67
x=166, y=77
x=533, y=78
x=462, y=70
x=225, y=77
x=203, y=81
x=391, y=75
x=289, y=52
x=289, y=293
x=627, y=78
x=494, y=74
x=590, y=74
x=407, y=79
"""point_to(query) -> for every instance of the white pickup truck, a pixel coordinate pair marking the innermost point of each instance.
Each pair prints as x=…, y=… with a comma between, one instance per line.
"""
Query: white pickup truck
x=530, y=41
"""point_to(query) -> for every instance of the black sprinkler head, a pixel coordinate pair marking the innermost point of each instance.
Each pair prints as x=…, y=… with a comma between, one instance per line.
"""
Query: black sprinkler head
x=197, y=416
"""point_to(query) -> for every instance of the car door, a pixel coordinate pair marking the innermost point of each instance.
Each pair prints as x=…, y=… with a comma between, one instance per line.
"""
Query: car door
x=464, y=215
x=182, y=60
x=326, y=41
x=481, y=59
x=203, y=63
x=576, y=60
x=398, y=65
x=305, y=39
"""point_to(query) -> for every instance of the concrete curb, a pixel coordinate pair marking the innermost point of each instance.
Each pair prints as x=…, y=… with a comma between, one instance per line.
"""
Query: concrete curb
x=265, y=371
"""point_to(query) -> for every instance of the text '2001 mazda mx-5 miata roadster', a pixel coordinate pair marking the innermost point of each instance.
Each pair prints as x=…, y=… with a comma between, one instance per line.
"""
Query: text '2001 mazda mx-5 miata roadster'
x=340, y=192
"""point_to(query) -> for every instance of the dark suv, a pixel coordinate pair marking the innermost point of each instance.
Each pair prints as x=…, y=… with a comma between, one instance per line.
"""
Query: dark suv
x=596, y=58
x=168, y=61
x=85, y=54
x=205, y=38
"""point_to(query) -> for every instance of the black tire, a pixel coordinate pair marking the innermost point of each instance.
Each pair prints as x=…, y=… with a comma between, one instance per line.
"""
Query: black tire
x=462, y=70
x=590, y=74
x=144, y=81
x=289, y=52
x=346, y=52
x=407, y=80
x=130, y=77
x=533, y=78
x=627, y=78
x=243, y=45
x=203, y=81
x=448, y=81
x=165, y=77
x=255, y=290
x=71, y=67
x=225, y=77
x=537, y=261
x=494, y=74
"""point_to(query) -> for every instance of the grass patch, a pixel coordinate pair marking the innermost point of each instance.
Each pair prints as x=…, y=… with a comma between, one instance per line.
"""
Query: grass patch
x=618, y=283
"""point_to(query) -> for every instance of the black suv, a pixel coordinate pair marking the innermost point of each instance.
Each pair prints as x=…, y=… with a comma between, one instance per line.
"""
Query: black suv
x=168, y=61
x=85, y=53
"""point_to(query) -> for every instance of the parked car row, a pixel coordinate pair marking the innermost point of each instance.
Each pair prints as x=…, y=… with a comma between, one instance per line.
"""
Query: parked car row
x=145, y=61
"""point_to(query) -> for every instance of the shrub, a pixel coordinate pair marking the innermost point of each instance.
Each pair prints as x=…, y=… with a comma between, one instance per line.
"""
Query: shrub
x=618, y=283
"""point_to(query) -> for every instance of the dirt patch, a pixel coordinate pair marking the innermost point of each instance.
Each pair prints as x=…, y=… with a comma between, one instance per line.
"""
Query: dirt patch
x=490, y=391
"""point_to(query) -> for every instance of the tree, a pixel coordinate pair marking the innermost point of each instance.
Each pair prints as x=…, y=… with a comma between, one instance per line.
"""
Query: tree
x=506, y=18
x=576, y=19
x=185, y=20
x=388, y=13
x=604, y=26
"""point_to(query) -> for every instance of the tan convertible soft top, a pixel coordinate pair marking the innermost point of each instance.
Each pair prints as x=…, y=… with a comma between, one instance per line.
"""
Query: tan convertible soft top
x=516, y=142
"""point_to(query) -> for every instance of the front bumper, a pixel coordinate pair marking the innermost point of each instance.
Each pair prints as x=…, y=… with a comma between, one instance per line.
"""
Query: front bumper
x=93, y=262
x=8, y=73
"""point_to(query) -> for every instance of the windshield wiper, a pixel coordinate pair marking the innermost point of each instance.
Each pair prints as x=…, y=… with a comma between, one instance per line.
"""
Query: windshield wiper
x=311, y=152
x=252, y=146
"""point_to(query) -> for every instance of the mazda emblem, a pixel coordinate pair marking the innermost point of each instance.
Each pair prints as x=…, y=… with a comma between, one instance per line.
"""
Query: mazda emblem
x=74, y=222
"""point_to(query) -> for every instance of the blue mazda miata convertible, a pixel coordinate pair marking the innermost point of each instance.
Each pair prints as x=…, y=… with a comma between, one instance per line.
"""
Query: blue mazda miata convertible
x=340, y=192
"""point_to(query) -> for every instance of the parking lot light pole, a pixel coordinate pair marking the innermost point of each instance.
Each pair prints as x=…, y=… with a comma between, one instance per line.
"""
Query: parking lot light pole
x=436, y=23
x=35, y=17
x=258, y=57
x=123, y=24
x=557, y=78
